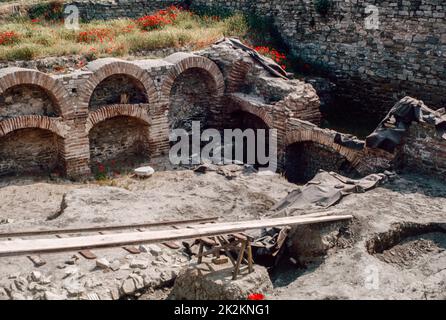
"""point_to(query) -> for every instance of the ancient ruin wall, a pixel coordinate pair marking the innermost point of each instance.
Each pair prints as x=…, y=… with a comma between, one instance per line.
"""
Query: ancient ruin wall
x=424, y=150
x=104, y=10
x=90, y=120
x=372, y=68
x=84, y=128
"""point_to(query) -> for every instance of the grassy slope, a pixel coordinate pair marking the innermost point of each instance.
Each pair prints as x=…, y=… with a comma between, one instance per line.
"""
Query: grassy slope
x=51, y=39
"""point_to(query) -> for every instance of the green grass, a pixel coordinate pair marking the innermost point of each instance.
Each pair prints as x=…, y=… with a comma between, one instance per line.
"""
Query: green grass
x=44, y=39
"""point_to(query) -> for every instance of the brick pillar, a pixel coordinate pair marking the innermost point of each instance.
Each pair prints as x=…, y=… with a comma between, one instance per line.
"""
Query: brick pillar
x=76, y=150
x=159, y=129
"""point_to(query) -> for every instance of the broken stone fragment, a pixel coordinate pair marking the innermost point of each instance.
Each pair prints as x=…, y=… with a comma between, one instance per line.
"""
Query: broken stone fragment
x=102, y=263
x=45, y=280
x=114, y=293
x=70, y=271
x=73, y=288
x=133, y=283
x=3, y=294
x=140, y=264
x=144, y=171
x=35, y=276
x=72, y=260
x=115, y=265
x=35, y=287
x=6, y=221
x=139, y=281
x=128, y=286
x=92, y=283
x=153, y=249
x=21, y=283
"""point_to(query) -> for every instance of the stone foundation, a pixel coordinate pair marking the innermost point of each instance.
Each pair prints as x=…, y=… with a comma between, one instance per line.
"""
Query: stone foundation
x=197, y=283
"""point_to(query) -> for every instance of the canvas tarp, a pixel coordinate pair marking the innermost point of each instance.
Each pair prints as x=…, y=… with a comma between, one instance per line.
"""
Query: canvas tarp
x=325, y=190
x=389, y=133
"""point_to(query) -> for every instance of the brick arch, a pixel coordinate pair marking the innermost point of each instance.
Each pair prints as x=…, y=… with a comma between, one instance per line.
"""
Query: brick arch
x=258, y=112
x=29, y=122
x=325, y=139
x=11, y=77
x=183, y=62
x=237, y=75
x=108, y=112
x=104, y=68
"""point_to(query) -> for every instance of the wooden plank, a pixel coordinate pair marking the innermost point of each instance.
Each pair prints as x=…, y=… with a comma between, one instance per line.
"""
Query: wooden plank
x=15, y=247
x=104, y=228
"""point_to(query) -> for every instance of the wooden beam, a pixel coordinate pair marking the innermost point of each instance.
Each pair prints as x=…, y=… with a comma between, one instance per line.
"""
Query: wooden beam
x=17, y=247
x=30, y=233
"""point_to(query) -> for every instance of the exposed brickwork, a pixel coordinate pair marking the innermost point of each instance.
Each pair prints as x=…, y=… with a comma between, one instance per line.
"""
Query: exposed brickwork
x=32, y=121
x=14, y=77
x=299, y=131
x=104, y=68
x=221, y=79
x=111, y=111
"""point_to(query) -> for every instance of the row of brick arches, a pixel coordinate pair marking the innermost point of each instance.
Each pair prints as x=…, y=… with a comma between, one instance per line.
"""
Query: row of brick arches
x=116, y=114
x=119, y=113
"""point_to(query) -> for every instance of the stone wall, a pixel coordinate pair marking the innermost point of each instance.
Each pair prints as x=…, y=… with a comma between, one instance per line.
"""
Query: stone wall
x=190, y=97
x=116, y=88
x=372, y=69
x=122, y=139
x=305, y=159
x=114, y=9
x=424, y=150
x=30, y=151
x=26, y=99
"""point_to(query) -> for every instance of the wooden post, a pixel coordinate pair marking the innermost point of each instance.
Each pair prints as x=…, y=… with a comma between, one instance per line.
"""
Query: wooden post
x=239, y=260
x=249, y=256
x=200, y=252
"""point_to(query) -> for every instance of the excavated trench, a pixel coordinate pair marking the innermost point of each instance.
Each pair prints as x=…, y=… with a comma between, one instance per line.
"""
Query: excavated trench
x=406, y=242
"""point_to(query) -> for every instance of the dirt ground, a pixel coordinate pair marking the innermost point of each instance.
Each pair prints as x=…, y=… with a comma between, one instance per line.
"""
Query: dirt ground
x=36, y=203
x=412, y=265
